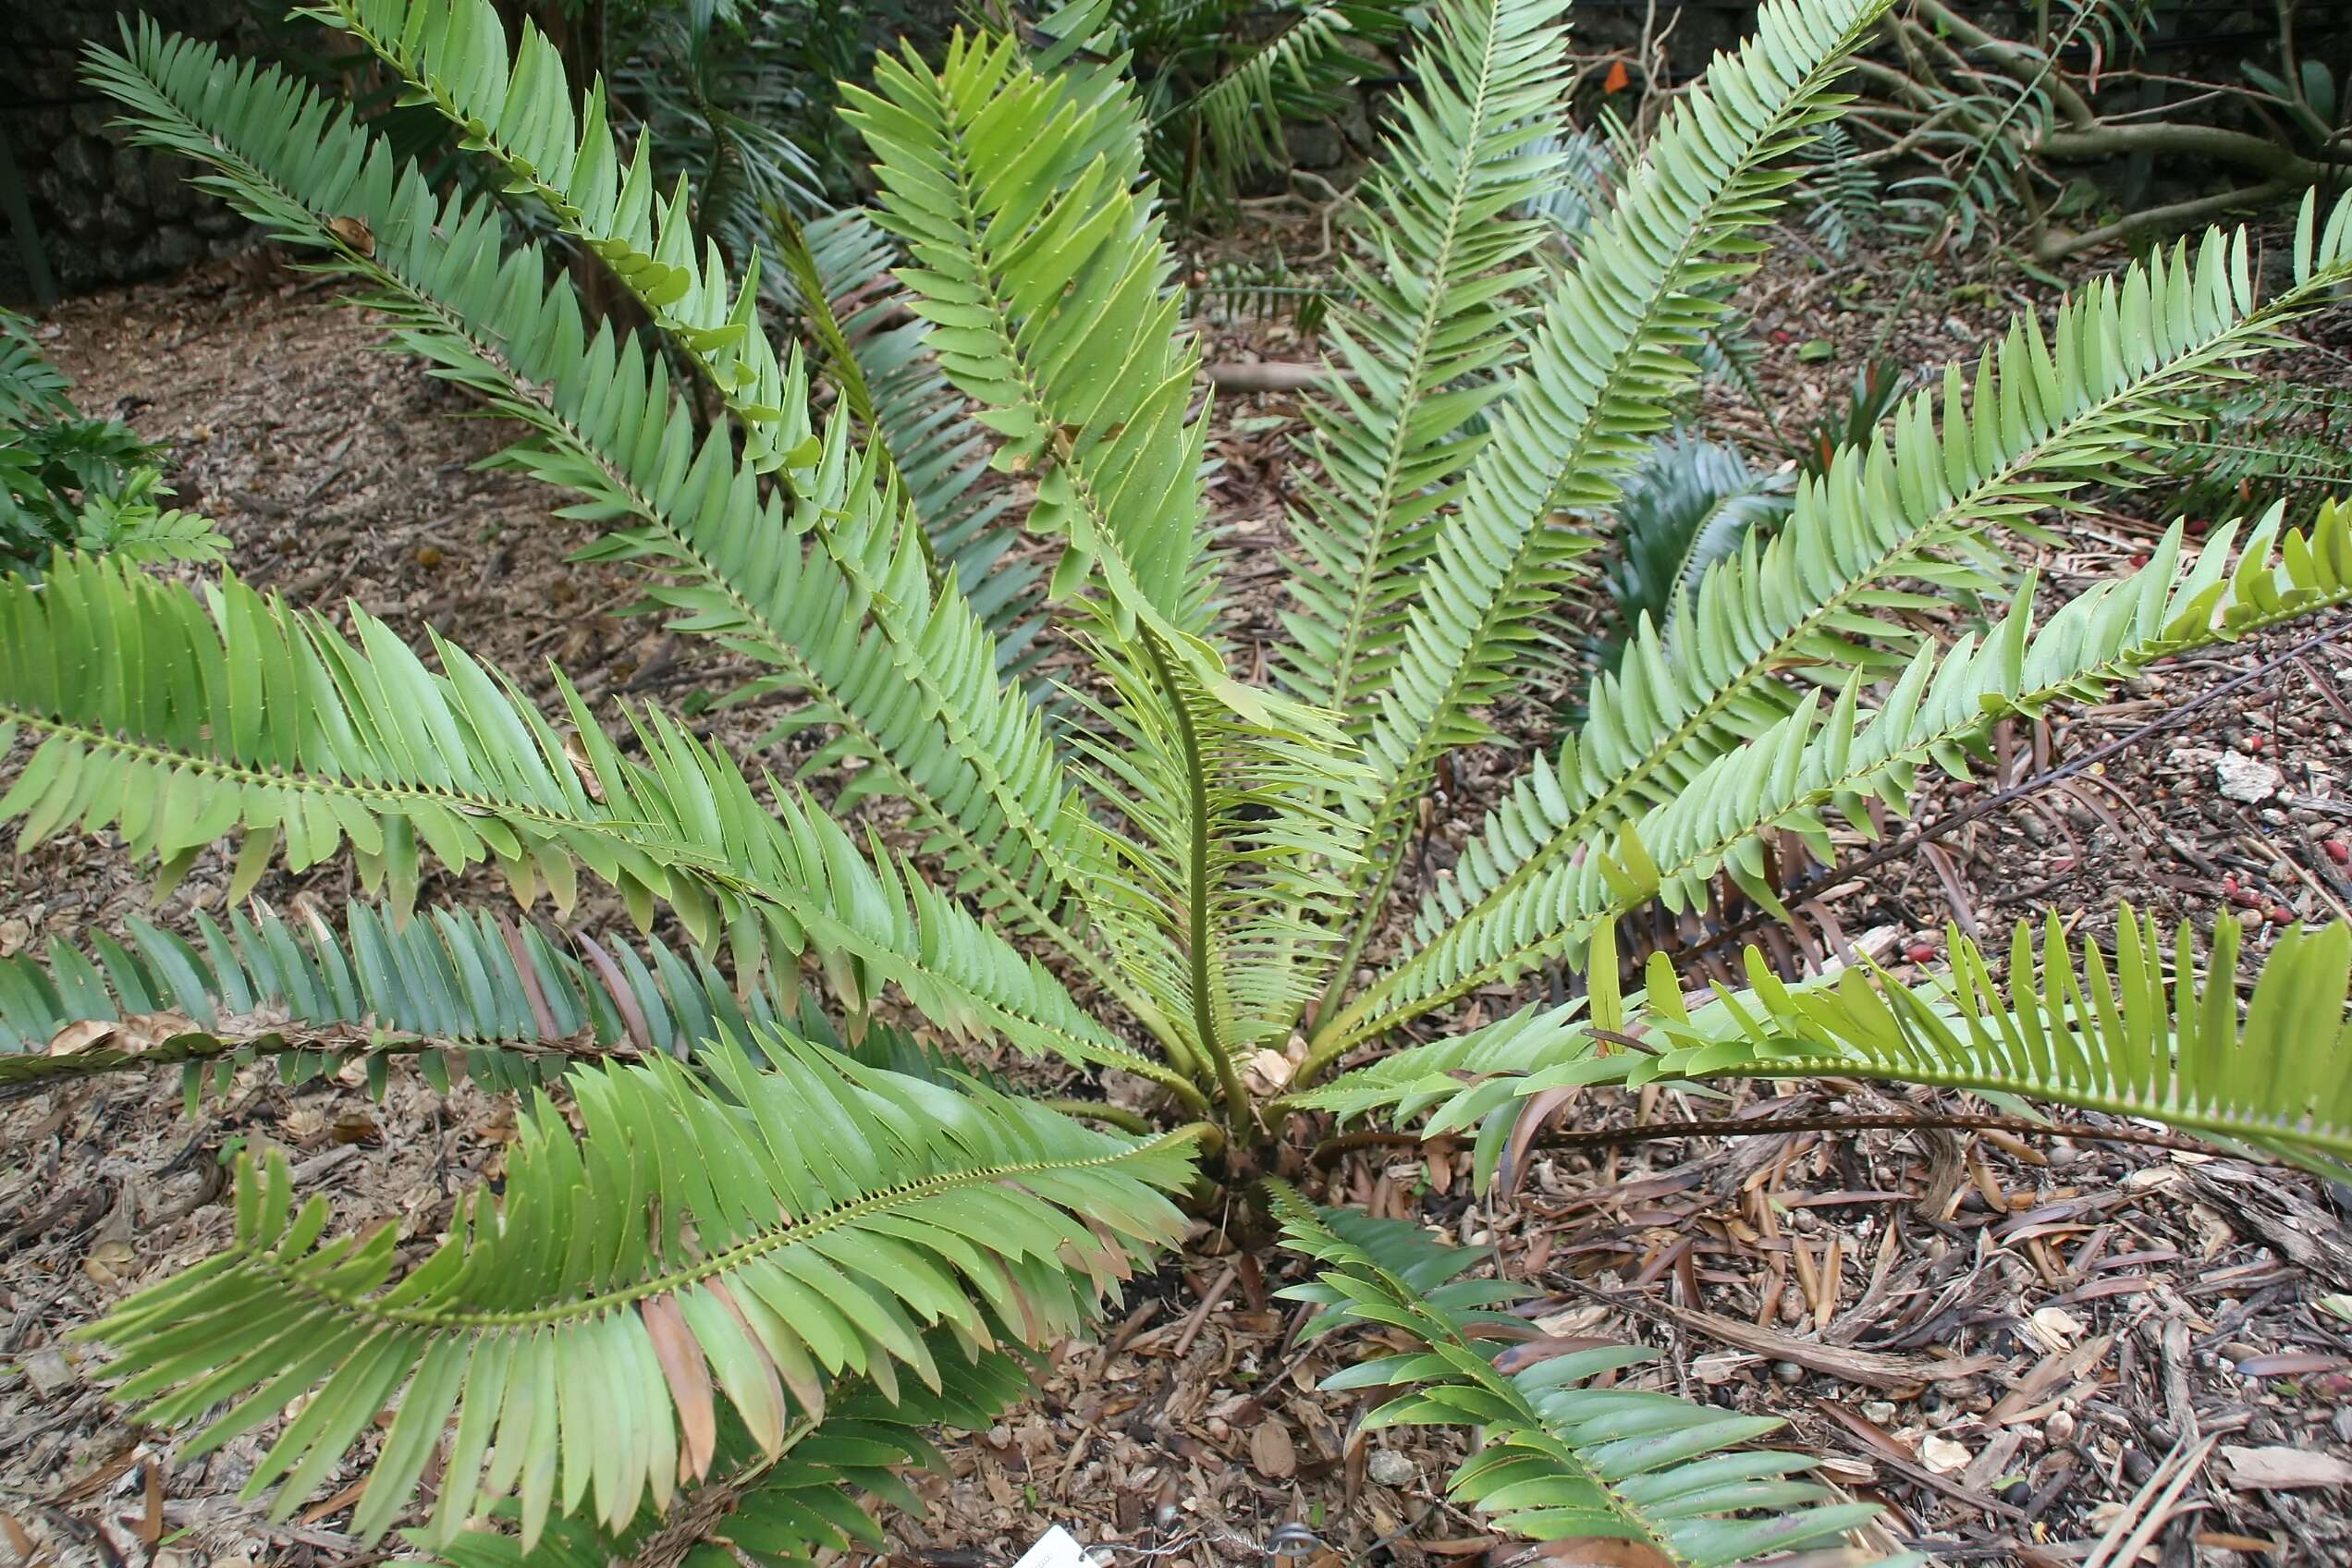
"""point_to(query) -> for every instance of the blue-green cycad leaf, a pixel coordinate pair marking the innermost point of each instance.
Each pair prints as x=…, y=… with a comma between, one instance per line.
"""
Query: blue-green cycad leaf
x=1560, y=1457
x=1688, y=505
x=743, y=1236
x=504, y=1000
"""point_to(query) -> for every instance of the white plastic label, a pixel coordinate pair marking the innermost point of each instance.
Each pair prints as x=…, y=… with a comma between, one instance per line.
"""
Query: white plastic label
x=1056, y=1548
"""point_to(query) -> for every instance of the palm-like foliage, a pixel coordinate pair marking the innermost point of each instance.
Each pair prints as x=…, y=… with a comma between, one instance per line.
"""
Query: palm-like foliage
x=1564, y=1458
x=583, y=1350
x=2142, y=1035
x=1220, y=78
x=1166, y=869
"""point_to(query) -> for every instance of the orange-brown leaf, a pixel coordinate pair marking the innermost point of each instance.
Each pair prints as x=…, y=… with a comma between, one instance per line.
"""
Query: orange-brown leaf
x=689, y=1383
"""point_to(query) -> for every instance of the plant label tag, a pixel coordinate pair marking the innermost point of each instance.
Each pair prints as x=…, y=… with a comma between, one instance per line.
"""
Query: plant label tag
x=1056, y=1548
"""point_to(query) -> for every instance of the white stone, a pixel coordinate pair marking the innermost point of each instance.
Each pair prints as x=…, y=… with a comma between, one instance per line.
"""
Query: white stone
x=2247, y=779
x=1390, y=1468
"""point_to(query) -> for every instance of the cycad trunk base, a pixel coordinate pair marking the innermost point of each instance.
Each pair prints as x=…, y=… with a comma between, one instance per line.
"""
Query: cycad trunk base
x=764, y=1258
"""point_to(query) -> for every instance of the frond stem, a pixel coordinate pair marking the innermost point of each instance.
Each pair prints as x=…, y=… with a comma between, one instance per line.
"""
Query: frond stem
x=1239, y=1113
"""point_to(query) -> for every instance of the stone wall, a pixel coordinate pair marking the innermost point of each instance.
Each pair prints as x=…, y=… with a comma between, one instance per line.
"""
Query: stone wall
x=106, y=212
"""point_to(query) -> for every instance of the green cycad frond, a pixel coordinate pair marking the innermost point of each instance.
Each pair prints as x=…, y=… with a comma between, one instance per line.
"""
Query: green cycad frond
x=454, y=56
x=1051, y=294
x=1603, y=363
x=1838, y=757
x=1287, y=74
x=461, y=982
x=1225, y=831
x=781, y=1512
x=175, y=721
x=2046, y=414
x=1425, y=338
x=32, y=389
x=2134, y=1035
x=806, y=1219
x=789, y=582
x=1560, y=1458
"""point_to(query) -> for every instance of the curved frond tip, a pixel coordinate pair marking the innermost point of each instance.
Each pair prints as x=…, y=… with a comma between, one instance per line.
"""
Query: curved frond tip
x=2145, y=1032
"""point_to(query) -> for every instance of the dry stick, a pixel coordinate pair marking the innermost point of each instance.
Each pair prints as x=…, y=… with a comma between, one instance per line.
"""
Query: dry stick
x=1942, y=826
x=1331, y=1148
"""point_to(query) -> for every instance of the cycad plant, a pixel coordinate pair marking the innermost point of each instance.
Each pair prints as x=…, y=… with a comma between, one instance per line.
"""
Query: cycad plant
x=746, y=1244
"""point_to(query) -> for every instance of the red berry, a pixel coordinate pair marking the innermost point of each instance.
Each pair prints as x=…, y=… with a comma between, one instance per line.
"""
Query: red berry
x=2253, y=743
x=2339, y=852
x=2246, y=897
x=1919, y=952
x=2281, y=915
x=2229, y=881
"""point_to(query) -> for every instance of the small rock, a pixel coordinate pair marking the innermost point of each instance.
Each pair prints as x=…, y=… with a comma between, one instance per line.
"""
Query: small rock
x=2059, y=1429
x=1390, y=1468
x=48, y=1370
x=1942, y=1456
x=2243, y=778
x=1878, y=1410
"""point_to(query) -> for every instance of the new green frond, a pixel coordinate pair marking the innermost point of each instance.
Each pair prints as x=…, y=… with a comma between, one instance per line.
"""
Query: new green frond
x=1051, y=293
x=453, y=53
x=807, y=1222
x=2140, y=1033
x=1426, y=339
x=2047, y=414
x=1834, y=755
x=1563, y=1455
x=1224, y=832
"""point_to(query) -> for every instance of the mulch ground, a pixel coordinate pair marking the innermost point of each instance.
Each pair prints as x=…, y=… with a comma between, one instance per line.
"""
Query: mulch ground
x=2040, y=1353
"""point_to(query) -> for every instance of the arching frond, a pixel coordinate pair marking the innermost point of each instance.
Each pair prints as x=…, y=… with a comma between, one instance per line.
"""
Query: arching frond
x=501, y=1000
x=176, y=720
x=1423, y=335
x=1836, y=756
x=453, y=53
x=1602, y=365
x=2046, y=414
x=781, y=1512
x=789, y=582
x=2140, y=1033
x=1563, y=1455
x=1053, y=299
x=806, y=1220
x=1289, y=73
